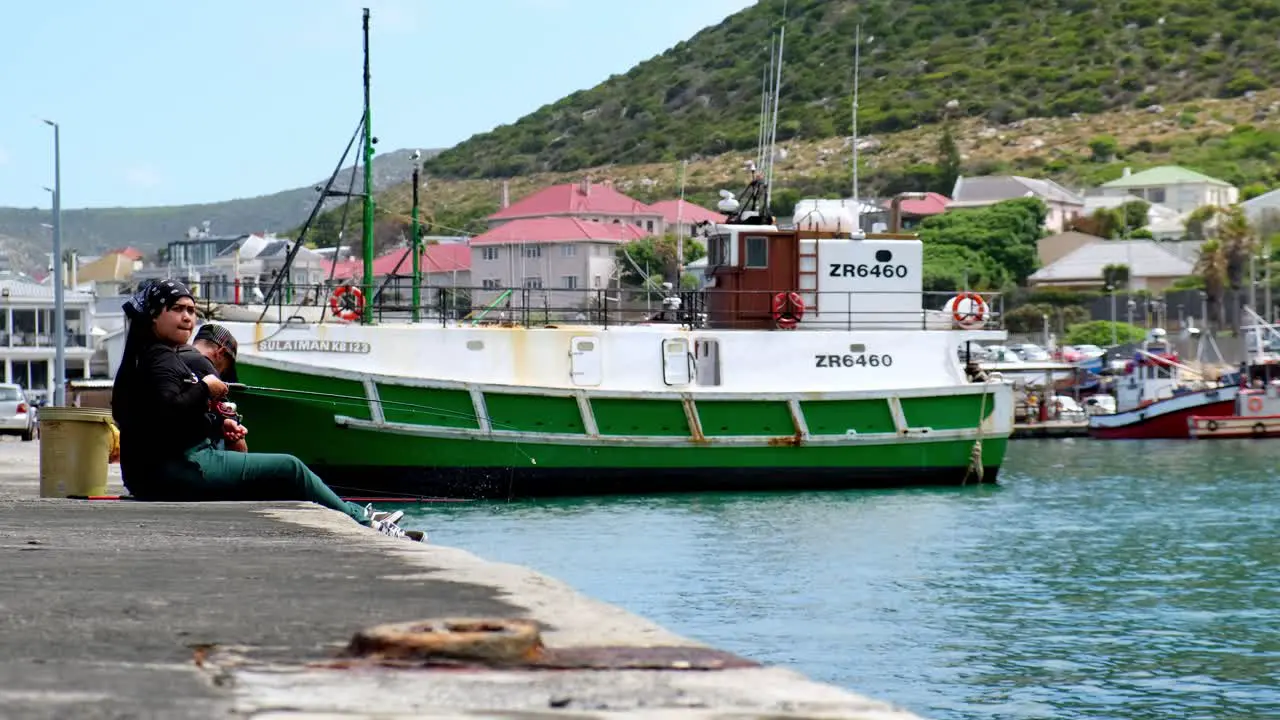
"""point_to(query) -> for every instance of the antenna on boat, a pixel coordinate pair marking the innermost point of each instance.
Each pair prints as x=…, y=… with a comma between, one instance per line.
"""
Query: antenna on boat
x=857, y=59
x=773, y=129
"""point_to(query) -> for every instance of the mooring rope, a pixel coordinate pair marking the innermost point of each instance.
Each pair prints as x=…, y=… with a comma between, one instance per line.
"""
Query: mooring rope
x=975, y=453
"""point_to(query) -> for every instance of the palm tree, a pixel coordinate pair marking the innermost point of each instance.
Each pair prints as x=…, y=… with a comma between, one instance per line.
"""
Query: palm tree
x=1212, y=266
x=1239, y=245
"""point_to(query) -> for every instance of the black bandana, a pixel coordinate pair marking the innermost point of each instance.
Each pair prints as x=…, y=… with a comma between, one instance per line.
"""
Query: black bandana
x=153, y=296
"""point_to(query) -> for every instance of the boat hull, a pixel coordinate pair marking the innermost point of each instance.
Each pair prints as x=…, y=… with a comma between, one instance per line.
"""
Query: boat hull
x=1164, y=419
x=1233, y=426
x=433, y=439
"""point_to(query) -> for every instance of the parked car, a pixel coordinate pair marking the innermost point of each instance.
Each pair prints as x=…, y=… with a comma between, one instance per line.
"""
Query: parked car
x=17, y=416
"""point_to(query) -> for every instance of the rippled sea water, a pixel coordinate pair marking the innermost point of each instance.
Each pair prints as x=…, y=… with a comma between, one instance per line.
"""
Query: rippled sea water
x=1098, y=580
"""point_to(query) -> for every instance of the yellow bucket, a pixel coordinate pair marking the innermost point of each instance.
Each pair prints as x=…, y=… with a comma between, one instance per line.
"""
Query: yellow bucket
x=76, y=445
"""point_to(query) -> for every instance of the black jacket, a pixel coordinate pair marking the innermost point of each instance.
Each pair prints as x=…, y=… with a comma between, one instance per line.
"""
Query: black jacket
x=168, y=413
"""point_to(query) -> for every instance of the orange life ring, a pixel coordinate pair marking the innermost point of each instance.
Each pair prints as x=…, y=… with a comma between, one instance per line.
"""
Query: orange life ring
x=788, y=308
x=347, y=302
x=1255, y=404
x=974, y=317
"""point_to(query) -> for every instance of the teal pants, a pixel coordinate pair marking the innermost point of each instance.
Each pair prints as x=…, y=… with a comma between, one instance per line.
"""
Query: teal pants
x=230, y=475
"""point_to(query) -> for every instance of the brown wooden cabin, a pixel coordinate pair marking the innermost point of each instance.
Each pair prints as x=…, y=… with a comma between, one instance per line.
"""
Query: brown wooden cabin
x=751, y=266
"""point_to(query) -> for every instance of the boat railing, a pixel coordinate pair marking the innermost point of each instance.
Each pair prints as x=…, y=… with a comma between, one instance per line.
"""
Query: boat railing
x=533, y=306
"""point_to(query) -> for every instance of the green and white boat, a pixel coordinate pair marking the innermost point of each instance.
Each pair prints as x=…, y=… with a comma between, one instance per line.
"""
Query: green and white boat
x=813, y=360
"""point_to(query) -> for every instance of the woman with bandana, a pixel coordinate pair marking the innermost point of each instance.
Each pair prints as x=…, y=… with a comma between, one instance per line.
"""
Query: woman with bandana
x=161, y=408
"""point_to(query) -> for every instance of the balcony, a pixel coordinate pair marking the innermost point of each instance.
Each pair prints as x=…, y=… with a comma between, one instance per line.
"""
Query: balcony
x=40, y=340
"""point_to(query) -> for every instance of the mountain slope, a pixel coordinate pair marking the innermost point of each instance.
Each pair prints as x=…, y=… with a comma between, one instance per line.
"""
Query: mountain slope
x=1002, y=59
x=97, y=229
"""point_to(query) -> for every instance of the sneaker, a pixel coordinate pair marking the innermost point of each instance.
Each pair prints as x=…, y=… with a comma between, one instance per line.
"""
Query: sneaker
x=379, y=516
x=417, y=535
x=387, y=528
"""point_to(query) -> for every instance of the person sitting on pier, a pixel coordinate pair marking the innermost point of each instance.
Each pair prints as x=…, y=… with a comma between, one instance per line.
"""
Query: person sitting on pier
x=162, y=410
x=213, y=352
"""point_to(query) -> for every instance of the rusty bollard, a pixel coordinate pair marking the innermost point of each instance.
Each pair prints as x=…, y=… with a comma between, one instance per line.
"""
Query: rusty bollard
x=491, y=641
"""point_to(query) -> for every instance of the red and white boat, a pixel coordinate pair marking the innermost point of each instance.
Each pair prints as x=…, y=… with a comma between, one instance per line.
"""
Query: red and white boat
x=1257, y=408
x=1152, y=401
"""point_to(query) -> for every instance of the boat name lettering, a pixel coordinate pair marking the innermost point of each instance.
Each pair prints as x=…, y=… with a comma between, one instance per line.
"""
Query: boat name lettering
x=330, y=346
x=859, y=360
x=877, y=270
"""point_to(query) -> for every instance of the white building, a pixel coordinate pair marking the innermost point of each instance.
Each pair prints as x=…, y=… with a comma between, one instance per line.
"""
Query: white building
x=1174, y=187
x=26, y=334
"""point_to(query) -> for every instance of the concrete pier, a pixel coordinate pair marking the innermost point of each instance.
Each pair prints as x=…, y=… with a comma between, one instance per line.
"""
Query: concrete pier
x=212, y=610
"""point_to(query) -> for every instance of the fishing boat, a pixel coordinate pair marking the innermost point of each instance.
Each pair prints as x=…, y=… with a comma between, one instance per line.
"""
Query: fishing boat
x=1153, y=400
x=813, y=359
x=1256, y=413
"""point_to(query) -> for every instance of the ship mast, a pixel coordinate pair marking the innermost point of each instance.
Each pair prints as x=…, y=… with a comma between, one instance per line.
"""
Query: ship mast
x=366, y=317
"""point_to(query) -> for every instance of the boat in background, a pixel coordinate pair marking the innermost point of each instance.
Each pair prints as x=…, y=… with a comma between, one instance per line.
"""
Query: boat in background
x=1257, y=406
x=1154, y=401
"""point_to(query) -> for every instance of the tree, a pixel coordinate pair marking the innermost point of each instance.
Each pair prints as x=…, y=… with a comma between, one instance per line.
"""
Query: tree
x=950, y=267
x=1098, y=332
x=1103, y=148
x=1212, y=268
x=948, y=160
x=1116, y=275
x=1198, y=223
x=1006, y=232
x=655, y=256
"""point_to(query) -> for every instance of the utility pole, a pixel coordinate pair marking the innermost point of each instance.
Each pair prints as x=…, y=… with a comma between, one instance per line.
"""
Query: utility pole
x=59, y=310
x=415, y=247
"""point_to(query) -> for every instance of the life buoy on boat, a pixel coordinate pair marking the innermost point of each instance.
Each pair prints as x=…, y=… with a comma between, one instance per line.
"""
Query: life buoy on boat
x=787, y=309
x=1211, y=426
x=347, y=302
x=1255, y=404
x=975, y=316
x=1259, y=429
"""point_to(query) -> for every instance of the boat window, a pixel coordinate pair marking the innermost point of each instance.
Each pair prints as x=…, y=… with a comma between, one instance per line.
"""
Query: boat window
x=475, y=344
x=757, y=252
x=706, y=357
x=857, y=348
x=718, y=250
x=586, y=346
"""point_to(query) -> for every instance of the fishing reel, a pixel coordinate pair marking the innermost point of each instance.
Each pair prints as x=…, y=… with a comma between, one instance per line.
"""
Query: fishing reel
x=227, y=410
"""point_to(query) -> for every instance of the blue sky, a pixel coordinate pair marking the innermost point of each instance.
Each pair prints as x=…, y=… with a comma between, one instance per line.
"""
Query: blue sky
x=164, y=102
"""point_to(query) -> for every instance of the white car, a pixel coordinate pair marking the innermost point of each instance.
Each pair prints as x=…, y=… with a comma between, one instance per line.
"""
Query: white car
x=17, y=417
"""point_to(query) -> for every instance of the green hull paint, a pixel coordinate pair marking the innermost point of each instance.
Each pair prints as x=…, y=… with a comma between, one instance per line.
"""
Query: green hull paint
x=304, y=425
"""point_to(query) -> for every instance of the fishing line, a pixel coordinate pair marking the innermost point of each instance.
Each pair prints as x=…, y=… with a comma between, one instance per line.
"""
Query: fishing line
x=357, y=401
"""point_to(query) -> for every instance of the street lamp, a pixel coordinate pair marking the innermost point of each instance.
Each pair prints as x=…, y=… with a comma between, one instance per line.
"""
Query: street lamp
x=1131, y=306
x=1112, y=290
x=59, y=310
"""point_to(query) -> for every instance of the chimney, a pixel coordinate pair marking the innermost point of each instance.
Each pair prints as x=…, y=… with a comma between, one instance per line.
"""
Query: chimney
x=506, y=193
x=1127, y=172
x=586, y=186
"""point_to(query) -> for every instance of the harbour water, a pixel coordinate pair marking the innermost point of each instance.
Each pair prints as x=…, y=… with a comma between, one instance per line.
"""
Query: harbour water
x=1135, y=580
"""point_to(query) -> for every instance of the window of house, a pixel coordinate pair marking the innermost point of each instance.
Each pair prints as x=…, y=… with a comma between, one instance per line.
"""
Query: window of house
x=757, y=252
x=490, y=284
x=568, y=250
x=534, y=282
x=533, y=251
x=648, y=225
x=595, y=282
x=489, y=253
x=1155, y=195
x=569, y=282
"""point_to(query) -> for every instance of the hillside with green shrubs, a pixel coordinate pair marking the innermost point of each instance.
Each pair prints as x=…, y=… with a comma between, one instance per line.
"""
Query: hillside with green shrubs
x=923, y=61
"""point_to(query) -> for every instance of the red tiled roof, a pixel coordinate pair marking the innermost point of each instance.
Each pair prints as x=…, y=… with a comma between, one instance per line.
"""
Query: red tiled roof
x=574, y=199
x=934, y=204
x=132, y=253
x=685, y=211
x=443, y=257
x=558, y=229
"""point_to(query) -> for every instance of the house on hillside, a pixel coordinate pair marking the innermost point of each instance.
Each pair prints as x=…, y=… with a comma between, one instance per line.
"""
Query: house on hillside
x=228, y=269
x=1151, y=266
x=1264, y=212
x=914, y=210
x=586, y=200
x=110, y=274
x=1175, y=187
x=1054, y=247
x=685, y=215
x=1063, y=204
x=545, y=254
x=1163, y=222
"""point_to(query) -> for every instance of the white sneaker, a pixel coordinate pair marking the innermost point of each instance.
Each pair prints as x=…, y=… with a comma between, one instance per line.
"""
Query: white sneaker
x=387, y=528
x=381, y=516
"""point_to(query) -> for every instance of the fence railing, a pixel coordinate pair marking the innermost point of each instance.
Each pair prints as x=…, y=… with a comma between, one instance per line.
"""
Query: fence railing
x=536, y=306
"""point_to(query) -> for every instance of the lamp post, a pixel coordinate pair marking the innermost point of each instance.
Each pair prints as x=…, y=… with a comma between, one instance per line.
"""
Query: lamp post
x=1131, y=306
x=59, y=310
x=1112, y=290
